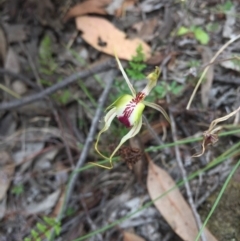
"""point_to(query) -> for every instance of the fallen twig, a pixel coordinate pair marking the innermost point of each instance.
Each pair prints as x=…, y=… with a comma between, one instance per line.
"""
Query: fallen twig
x=85, y=150
x=69, y=80
x=184, y=175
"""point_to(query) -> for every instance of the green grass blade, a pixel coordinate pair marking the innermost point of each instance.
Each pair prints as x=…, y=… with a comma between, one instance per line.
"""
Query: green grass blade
x=189, y=140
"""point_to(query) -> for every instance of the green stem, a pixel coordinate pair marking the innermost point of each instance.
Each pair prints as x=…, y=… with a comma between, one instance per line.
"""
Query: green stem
x=189, y=140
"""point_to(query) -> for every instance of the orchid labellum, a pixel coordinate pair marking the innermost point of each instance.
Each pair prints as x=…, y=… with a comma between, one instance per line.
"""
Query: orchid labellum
x=128, y=109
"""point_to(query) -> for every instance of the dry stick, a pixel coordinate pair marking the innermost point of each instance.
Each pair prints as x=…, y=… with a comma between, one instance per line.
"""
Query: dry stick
x=86, y=148
x=106, y=65
x=206, y=69
x=184, y=175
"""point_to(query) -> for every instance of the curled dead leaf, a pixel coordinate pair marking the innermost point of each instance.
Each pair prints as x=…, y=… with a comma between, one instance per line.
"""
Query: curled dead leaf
x=208, y=139
x=105, y=37
x=172, y=206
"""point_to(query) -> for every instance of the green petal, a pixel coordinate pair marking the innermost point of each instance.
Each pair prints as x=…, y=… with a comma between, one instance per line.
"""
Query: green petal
x=114, y=103
x=123, y=101
x=159, y=108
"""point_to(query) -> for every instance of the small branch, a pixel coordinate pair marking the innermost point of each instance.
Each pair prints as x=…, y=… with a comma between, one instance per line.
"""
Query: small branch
x=184, y=175
x=86, y=147
x=106, y=65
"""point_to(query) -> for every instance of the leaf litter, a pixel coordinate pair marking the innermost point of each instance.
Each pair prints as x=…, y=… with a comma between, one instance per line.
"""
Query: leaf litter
x=105, y=37
x=7, y=169
x=41, y=160
x=172, y=206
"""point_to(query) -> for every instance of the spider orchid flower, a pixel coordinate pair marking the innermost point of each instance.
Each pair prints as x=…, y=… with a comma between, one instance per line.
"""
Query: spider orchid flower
x=128, y=109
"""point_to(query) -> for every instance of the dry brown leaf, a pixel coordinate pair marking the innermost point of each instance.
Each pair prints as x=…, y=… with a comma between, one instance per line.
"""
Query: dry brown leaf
x=173, y=206
x=7, y=168
x=207, y=55
x=131, y=237
x=105, y=37
x=90, y=6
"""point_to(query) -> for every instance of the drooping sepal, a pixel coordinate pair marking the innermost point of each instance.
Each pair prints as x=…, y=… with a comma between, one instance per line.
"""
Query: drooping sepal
x=159, y=108
x=108, y=120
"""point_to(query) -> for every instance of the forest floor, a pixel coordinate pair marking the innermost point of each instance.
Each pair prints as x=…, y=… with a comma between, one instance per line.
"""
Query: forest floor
x=57, y=75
